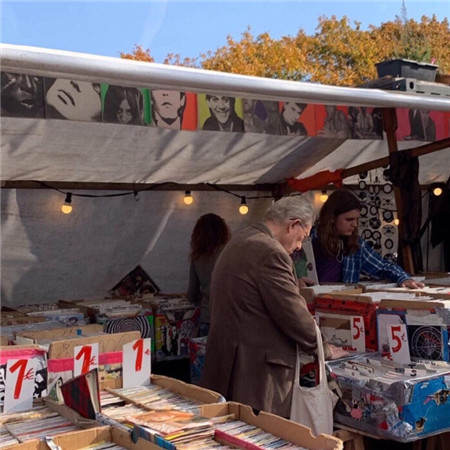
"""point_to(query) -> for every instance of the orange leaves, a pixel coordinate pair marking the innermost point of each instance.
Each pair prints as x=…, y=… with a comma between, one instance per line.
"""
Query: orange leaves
x=339, y=53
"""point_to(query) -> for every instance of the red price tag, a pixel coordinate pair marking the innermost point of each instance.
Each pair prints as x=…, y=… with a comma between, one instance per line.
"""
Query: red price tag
x=19, y=384
x=358, y=334
x=136, y=366
x=85, y=358
x=398, y=343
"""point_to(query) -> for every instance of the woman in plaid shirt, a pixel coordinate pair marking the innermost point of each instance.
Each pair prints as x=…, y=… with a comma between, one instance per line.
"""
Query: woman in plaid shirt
x=341, y=254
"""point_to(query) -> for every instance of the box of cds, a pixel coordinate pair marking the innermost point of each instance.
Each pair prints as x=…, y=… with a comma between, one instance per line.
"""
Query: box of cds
x=232, y=425
x=96, y=438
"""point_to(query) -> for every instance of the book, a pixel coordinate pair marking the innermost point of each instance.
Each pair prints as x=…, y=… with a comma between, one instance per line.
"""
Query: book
x=81, y=393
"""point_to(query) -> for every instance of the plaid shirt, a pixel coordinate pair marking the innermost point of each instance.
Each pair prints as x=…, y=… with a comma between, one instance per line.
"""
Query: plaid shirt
x=368, y=261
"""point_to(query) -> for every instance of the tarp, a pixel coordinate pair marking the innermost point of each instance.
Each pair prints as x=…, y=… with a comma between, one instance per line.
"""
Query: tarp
x=47, y=255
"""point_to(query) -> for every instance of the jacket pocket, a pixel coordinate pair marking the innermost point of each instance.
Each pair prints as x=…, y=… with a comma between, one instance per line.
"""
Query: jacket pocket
x=280, y=359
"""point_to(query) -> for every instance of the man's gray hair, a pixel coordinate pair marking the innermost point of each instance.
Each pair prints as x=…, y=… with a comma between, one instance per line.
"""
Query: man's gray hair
x=293, y=207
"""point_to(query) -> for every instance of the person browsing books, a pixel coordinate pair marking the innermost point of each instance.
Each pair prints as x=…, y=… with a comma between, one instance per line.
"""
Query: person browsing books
x=341, y=255
x=209, y=236
x=258, y=316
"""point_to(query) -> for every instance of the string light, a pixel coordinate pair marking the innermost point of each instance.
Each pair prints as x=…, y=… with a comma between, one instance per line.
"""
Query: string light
x=323, y=196
x=66, y=208
x=437, y=191
x=188, y=199
x=243, y=209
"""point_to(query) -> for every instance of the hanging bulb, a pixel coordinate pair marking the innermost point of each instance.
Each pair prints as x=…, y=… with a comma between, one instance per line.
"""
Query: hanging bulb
x=396, y=221
x=243, y=209
x=66, y=208
x=188, y=199
x=323, y=196
x=437, y=191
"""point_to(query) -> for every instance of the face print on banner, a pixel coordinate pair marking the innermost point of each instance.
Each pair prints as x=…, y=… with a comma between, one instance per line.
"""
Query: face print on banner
x=122, y=105
x=22, y=95
x=365, y=123
x=220, y=113
x=72, y=100
x=297, y=119
x=332, y=121
x=261, y=116
x=174, y=110
x=422, y=125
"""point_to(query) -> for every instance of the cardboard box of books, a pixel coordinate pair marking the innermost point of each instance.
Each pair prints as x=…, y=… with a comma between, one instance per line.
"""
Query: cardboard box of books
x=50, y=419
x=112, y=306
x=96, y=438
x=231, y=424
x=172, y=393
x=401, y=402
x=349, y=320
x=61, y=343
x=16, y=318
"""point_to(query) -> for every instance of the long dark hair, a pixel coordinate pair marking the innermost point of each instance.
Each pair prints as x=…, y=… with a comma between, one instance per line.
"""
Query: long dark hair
x=338, y=202
x=115, y=95
x=210, y=232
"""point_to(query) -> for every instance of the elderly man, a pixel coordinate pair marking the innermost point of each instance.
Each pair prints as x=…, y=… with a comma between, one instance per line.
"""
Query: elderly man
x=257, y=314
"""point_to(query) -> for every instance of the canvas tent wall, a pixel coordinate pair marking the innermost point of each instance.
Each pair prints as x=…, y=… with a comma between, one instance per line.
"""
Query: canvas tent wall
x=46, y=256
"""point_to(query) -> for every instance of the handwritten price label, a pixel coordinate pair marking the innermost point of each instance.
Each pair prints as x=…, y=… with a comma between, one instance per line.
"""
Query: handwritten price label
x=19, y=384
x=358, y=334
x=85, y=358
x=398, y=343
x=136, y=365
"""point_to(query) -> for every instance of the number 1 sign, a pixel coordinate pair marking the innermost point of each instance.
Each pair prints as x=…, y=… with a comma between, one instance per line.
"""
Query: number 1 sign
x=85, y=358
x=19, y=384
x=136, y=365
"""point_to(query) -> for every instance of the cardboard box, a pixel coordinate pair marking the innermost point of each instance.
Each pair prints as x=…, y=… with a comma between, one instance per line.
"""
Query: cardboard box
x=189, y=391
x=69, y=414
x=62, y=347
x=8, y=318
x=84, y=438
x=293, y=432
x=393, y=401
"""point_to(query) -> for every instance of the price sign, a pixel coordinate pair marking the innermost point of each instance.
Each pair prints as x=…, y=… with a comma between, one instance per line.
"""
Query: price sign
x=136, y=365
x=358, y=334
x=398, y=343
x=85, y=358
x=19, y=384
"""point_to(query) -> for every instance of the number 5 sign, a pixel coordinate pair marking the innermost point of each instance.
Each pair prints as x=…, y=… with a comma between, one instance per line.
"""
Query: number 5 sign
x=19, y=384
x=358, y=334
x=136, y=365
x=398, y=343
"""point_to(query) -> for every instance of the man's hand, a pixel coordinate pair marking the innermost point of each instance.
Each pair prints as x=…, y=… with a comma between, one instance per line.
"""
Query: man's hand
x=337, y=352
x=305, y=282
x=411, y=284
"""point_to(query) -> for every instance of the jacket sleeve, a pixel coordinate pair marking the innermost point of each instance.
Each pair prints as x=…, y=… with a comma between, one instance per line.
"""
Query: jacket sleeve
x=374, y=265
x=279, y=291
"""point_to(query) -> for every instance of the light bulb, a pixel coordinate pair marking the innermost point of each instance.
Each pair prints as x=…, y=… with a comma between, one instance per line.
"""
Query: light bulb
x=396, y=221
x=323, y=196
x=243, y=209
x=66, y=208
x=437, y=191
x=188, y=199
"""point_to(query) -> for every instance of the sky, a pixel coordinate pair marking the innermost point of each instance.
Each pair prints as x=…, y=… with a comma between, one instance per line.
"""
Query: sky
x=187, y=28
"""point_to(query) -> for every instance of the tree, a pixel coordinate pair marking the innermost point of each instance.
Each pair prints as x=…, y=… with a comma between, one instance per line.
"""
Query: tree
x=338, y=53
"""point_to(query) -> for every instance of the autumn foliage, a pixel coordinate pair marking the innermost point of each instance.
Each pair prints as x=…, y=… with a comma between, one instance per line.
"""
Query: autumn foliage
x=338, y=53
